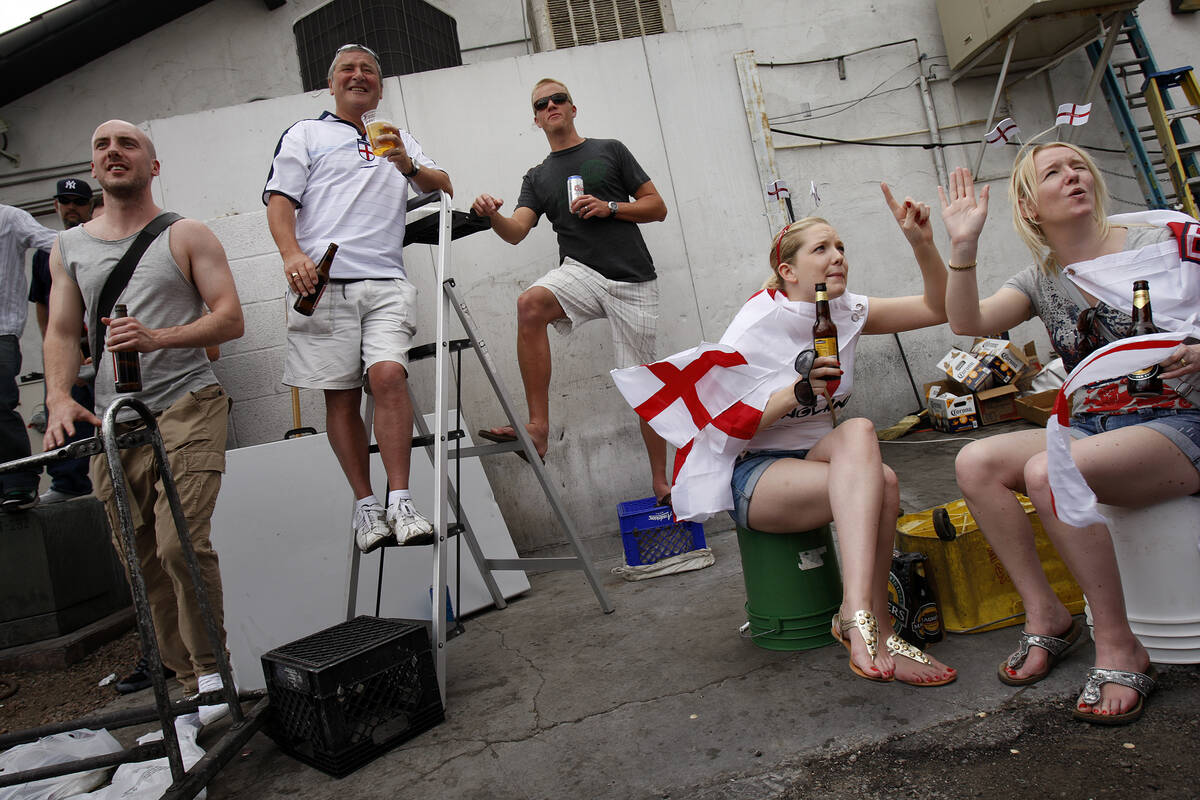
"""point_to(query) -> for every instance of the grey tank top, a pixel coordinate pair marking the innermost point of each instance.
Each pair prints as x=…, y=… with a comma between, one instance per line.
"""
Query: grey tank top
x=159, y=296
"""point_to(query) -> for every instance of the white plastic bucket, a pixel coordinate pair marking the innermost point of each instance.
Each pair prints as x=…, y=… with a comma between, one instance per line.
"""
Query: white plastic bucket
x=1158, y=553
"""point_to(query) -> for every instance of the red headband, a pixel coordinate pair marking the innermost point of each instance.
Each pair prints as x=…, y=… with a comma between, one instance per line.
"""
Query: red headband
x=779, y=245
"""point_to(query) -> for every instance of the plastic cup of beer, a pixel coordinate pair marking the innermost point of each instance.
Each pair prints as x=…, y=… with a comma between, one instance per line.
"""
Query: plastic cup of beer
x=377, y=124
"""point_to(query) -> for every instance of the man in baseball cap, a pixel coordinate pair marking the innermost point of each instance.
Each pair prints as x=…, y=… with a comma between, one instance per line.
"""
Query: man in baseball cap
x=74, y=204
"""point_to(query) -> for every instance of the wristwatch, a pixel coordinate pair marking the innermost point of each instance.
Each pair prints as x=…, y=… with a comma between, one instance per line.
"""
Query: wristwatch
x=416, y=168
x=612, y=207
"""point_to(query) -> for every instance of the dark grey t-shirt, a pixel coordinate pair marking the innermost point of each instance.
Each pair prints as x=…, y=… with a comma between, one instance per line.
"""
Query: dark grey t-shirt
x=612, y=247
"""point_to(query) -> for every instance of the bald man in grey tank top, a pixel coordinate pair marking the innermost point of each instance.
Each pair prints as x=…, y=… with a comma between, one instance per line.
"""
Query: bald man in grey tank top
x=183, y=270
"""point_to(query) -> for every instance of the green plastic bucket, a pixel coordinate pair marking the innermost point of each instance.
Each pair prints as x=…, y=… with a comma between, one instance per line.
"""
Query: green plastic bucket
x=793, y=586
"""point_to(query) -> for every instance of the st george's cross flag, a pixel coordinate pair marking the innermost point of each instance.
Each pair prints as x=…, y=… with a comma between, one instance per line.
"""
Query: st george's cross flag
x=1073, y=114
x=1005, y=131
x=708, y=401
x=1172, y=268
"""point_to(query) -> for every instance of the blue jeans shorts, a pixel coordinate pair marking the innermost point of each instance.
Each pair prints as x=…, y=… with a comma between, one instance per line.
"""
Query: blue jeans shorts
x=1180, y=425
x=748, y=468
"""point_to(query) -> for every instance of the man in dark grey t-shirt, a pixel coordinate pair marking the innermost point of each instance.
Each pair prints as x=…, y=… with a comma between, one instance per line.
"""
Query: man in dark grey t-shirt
x=606, y=270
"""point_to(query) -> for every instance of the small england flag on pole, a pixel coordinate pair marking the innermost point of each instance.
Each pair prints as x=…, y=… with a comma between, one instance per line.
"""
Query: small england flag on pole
x=1006, y=131
x=1070, y=113
x=778, y=190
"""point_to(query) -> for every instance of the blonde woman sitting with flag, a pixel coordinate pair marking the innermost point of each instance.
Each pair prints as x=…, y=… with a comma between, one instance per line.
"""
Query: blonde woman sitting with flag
x=1128, y=451
x=756, y=436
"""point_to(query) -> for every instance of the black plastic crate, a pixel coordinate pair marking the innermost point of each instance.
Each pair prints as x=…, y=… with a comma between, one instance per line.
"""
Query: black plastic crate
x=344, y=695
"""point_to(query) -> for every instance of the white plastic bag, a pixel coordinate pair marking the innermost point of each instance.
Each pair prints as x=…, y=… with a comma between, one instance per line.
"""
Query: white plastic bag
x=681, y=562
x=147, y=780
x=57, y=749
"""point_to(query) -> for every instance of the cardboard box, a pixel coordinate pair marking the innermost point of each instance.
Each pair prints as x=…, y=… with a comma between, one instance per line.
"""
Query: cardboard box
x=950, y=413
x=1033, y=366
x=1038, y=407
x=997, y=405
x=966, y=369
x=991, y=405
x=1002, y=357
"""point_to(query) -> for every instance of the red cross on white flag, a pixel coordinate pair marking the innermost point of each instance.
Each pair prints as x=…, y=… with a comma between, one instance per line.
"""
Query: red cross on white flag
x=1004, y=132
x=778, y=190
x=1071, y=113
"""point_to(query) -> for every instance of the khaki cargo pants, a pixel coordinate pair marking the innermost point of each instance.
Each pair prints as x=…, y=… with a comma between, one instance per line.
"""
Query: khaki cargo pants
x=193, y=431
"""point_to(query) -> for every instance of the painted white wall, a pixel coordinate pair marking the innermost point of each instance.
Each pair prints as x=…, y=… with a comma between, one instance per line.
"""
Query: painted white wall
x=674, y=99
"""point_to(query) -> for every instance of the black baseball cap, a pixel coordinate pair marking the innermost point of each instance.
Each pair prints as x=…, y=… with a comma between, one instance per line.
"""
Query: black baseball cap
x=73, y=187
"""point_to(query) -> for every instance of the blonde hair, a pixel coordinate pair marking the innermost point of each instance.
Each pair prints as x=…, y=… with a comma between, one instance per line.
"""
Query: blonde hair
x=1022, y=191
x=544, y=81
x=784, y=246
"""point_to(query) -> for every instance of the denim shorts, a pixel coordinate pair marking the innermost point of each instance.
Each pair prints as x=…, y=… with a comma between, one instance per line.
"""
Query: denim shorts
x=1180, y=425
x=746, y=471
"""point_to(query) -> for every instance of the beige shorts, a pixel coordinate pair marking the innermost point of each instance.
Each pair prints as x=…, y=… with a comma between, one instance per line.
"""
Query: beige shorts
x=357, y=324
x=630, y=308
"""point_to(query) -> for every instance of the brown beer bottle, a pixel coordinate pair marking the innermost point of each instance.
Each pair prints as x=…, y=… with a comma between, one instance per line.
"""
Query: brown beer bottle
x=825, y=340
x=127, y=368
x=1144, y=382
x=307, y=304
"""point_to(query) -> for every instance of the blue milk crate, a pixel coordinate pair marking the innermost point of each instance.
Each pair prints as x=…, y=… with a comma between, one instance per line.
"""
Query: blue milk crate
x=650, y=533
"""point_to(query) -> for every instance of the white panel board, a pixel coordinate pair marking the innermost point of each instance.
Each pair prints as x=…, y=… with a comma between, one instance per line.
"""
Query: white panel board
x=282, y=529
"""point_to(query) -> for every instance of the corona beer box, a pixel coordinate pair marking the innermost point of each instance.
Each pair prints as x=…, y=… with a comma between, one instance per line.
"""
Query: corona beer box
x=972, y=588
x=949, y=412
x=991, y=405
x=1002, y=357
x=966, y=369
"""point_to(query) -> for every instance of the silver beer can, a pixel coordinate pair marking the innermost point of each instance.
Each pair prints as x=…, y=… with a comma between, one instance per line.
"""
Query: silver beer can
x=574, y=188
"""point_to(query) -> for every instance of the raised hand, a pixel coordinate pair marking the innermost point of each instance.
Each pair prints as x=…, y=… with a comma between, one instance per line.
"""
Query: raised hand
x=963, y=213
x=912, y=217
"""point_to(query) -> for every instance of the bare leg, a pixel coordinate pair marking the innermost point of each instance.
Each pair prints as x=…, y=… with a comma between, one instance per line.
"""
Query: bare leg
x=656, y=452
x=988, y=472
x=906, y=669
x=1130, y=467
x=537, y=307
x=393, y=420
x=841, y=479
x=348, y=437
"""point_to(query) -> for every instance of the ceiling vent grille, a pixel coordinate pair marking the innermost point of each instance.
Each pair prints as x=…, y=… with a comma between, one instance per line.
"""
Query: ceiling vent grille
x=573, y=23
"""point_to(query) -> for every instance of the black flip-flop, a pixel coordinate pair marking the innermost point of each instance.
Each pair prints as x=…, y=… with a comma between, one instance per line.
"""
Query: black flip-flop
x=504, y=438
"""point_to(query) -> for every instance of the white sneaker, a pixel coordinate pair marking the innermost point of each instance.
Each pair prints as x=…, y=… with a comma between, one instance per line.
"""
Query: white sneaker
x=210, y=714
x=370, y=528
x=408, y=526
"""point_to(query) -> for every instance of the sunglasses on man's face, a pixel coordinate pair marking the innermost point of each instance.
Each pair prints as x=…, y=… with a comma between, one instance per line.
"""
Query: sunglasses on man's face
x=73, y=201
x=559, y=99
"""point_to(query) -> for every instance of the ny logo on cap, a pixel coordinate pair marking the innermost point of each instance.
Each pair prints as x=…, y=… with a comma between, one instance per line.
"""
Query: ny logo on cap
x=70, y=185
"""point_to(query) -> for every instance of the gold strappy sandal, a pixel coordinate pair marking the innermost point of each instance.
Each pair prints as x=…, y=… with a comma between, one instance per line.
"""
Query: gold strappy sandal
x=898, y=647
x=868, y=628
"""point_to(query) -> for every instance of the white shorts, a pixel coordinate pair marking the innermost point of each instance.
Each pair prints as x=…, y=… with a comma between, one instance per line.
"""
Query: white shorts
x=357, y=324
x=631, y=309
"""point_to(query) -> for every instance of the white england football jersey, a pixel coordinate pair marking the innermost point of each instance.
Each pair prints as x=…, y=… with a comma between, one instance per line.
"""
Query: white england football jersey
x=344, y=193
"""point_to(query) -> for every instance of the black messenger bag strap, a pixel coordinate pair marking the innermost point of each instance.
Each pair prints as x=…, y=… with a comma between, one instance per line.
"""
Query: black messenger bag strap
x=118, y=279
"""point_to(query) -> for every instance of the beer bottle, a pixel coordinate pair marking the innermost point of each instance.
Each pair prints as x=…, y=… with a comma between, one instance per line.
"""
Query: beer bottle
x=1144, y=382
x=307, y=304
x=825, y=340
x=127, y=368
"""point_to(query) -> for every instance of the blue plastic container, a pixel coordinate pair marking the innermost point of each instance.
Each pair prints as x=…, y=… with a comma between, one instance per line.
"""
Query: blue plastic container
x=650, y=533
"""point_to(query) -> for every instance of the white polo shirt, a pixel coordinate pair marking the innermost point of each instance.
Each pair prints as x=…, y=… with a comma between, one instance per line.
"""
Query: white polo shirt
x=344, y=193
